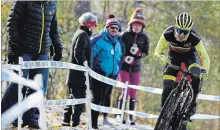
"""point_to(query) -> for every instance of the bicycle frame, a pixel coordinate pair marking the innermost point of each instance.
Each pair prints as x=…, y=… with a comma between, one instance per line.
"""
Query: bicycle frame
x=177, y=102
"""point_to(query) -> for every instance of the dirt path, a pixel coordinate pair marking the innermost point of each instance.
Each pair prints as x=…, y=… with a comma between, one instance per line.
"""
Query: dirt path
x=55, y=117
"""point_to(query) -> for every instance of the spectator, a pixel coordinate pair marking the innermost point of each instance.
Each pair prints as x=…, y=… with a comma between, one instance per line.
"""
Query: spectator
x=81, y=53
x=137, y=46
x=32, y=29
x=107, y=57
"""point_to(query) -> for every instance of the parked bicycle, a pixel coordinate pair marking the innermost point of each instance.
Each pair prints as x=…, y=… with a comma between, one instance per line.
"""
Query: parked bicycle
x=172, y=116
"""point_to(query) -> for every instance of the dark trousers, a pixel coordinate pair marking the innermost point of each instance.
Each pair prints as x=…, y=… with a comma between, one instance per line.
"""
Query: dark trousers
x=76, y=92
x=101, y=96
x=31, y=116
x=10, y=97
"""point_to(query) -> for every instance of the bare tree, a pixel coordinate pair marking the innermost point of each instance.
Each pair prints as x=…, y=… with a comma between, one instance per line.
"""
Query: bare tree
x=81, y=7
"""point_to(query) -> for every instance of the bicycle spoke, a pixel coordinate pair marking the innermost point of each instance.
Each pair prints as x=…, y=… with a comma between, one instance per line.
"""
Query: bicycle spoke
x=168, y=110
x=187, y=98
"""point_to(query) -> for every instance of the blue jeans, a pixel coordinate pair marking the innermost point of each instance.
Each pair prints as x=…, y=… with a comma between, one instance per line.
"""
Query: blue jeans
x=10, y=96
x=44, y=71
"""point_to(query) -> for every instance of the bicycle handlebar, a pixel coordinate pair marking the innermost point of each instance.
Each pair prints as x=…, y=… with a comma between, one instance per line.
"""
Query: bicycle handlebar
x=187, y=72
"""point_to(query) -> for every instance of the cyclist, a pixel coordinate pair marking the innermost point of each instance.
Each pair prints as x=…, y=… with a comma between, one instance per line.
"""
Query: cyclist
x=186, y=46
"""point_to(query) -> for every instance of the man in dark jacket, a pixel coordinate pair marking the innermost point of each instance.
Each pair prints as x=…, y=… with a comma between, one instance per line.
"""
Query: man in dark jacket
x=137, y=46
x=32, y=30
x=80, y=54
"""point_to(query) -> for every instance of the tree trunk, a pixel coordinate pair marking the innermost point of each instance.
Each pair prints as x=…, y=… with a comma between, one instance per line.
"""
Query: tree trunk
x=81, y=7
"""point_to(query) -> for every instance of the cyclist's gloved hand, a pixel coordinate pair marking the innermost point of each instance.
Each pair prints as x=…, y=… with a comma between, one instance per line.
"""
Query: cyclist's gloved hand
x=203, y=74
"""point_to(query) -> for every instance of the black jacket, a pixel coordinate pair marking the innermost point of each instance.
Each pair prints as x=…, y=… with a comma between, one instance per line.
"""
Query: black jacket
x=32, y=27
x=128, y=37
x=81, y=51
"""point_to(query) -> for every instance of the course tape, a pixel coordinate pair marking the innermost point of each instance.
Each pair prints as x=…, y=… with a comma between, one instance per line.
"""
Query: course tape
x=141, y=114
x=205, y=116
x=159, y=91
x=146, y=89
x=105, y=109
x=209, y=97
x=51, y=64
x=11, y=67
x=11, y=76
x=106, y=80
x=8, y=75
x=64, y=102
x=11, y=114
x=196, y=116
x=144, y=115
x=57, y=64
x=114, y=83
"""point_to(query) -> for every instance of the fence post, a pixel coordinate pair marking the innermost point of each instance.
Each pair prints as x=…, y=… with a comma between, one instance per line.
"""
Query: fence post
x=41, y=105
x=20, y=85
x=88, y=96
x=124, y=100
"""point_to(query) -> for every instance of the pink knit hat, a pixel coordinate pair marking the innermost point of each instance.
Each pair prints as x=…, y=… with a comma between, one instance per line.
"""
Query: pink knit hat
x=111, y=21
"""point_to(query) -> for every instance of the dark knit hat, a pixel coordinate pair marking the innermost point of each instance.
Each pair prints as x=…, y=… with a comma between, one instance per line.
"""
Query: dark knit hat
x=111, y=21
x=137, y=17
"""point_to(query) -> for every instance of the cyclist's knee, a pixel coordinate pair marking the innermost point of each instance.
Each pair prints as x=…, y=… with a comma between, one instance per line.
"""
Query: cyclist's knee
x=168, y=86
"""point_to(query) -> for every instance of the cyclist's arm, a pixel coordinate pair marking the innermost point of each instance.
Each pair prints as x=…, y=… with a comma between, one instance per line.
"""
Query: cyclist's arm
x=204, y=55
x=161, y=48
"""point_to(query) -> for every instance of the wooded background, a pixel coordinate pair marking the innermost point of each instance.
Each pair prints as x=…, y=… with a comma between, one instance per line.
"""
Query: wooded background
x=159, y=15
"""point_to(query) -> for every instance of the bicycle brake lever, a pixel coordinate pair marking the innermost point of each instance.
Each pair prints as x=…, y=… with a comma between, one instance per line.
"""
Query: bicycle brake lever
x=203, y=73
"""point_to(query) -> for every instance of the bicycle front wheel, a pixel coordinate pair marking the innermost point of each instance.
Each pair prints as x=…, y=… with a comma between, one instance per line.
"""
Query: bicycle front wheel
x=182, y=107
x=168, y=110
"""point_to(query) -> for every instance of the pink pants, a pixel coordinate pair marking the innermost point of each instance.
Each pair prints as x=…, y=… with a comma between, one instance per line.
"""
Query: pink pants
x=133, y=78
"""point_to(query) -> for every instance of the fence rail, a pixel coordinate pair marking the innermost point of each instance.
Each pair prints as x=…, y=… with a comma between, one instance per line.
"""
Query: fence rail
x=7, y=75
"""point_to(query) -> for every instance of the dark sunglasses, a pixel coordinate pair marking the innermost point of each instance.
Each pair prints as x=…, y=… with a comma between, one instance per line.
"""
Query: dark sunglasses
x=179, y=31
x=114, y=28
